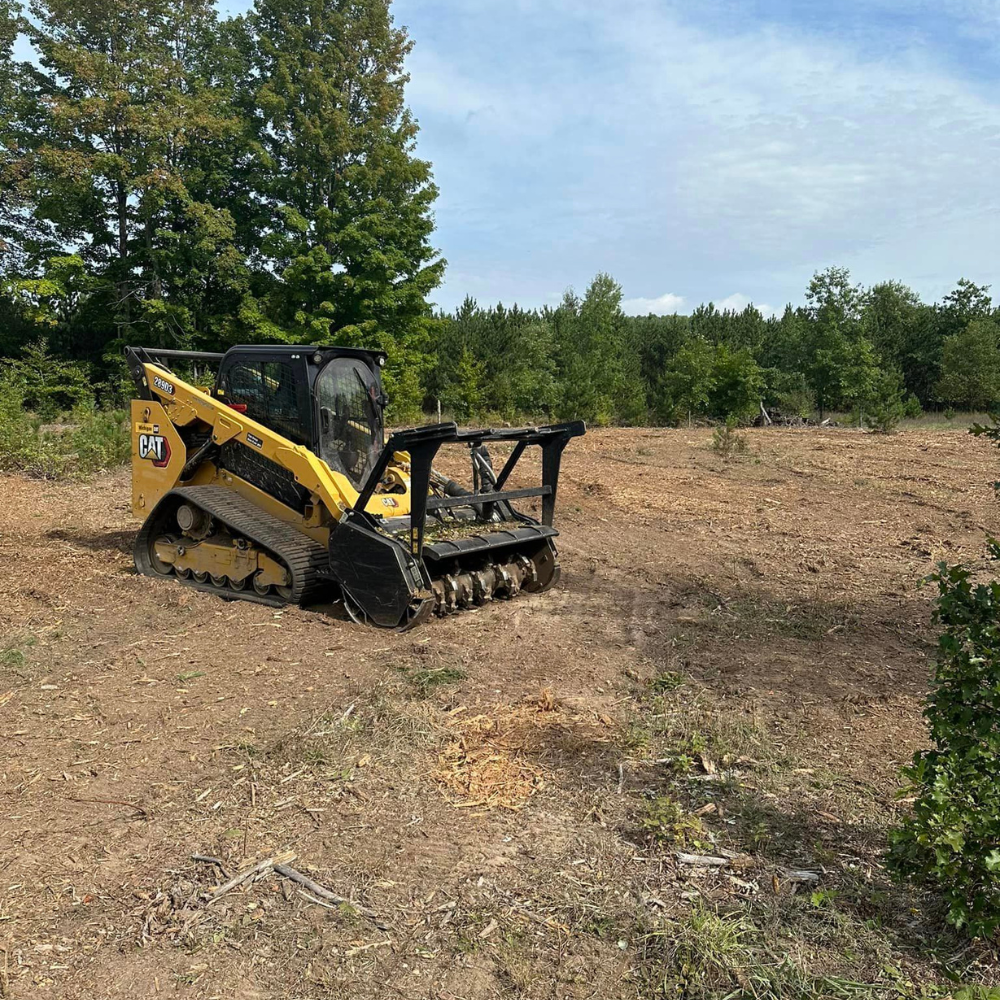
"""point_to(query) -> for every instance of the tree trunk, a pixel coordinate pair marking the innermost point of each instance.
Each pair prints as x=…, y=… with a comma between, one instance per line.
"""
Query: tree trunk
x=121, y=198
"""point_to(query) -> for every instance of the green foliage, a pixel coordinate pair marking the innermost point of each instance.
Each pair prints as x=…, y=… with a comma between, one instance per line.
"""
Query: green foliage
x=352, y=220
x=109, y=138
x=690, y=381
x=788, y=393
x=174, y=179
x=738, y=954
x=952, y=839
x=728, y=441
x=666, y=682
x=464, y=394
x=911, y=406
x=101, y=439
x=214, y=183
x=78, y=443
x=664, y=821
x=599, y=377
x=887, y=406
x=737, y=384
x=970, y=367
x=47, y=385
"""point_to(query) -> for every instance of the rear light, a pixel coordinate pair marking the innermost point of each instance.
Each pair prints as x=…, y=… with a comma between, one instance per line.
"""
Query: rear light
x=238, y=407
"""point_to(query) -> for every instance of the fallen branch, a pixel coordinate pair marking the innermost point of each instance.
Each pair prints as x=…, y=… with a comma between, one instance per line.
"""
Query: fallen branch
x=209, y=860
x=313, y=899
x=323, y=893
x=792, y=875
x=261, y=868
x=702, y=860
x=112, y=802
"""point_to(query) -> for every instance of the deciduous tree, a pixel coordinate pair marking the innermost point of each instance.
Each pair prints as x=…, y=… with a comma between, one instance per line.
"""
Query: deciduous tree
x=970, y=367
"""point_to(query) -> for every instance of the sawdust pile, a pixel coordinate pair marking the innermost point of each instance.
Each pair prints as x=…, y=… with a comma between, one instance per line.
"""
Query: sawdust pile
x=494, y=761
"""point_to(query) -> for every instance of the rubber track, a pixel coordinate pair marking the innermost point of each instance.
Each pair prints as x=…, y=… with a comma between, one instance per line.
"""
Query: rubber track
x=303, y=557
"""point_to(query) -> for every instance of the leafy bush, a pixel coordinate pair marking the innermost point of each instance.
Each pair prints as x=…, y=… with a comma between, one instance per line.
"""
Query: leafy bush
x=101, y=439
x=18, y=429
x=912, y=408
x=664, y=821
x=82, y=442
x=952, y=839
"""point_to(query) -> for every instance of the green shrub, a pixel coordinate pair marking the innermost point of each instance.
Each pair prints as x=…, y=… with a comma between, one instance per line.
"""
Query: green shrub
x=952, y=839
x=887, y=406
x=79, y=443
x=18, y=429
x=101, y=439
x=727, y=441
x=912, y=408
x=664, y=821
x=48, y=385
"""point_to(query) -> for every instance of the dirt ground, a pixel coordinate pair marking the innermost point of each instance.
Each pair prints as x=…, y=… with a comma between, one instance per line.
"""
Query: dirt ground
x=745, y=638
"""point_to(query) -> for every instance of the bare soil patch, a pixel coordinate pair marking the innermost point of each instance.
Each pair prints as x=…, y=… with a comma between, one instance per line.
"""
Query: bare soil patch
x=743, y=636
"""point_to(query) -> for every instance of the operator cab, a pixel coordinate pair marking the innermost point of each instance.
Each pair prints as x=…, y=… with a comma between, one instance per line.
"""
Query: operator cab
x=328, y=399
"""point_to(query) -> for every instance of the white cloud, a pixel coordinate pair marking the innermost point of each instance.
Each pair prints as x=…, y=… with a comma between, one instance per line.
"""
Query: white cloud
x=665, y=305
x=737, y=302
x=643, y=139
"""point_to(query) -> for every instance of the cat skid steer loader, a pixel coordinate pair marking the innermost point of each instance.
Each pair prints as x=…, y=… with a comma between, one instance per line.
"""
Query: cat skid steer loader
x=277, y=486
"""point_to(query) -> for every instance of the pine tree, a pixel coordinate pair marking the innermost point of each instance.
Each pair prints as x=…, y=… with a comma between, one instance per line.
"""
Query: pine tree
x=599, y=381
x=350, y=202
x=107, y=122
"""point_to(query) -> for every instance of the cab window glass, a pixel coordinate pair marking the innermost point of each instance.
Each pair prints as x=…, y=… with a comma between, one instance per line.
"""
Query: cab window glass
x=350, y=418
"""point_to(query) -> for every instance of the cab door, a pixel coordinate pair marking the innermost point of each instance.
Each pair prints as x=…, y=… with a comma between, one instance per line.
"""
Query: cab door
x=350, y=418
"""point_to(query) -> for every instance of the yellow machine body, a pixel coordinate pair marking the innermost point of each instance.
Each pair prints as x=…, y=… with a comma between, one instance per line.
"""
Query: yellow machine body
x=236, y=507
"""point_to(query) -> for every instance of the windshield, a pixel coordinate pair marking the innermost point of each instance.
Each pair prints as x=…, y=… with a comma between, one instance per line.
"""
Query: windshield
x=350, y=418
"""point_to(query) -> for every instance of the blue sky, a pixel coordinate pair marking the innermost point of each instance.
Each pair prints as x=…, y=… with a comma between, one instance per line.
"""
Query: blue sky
x=720, y=150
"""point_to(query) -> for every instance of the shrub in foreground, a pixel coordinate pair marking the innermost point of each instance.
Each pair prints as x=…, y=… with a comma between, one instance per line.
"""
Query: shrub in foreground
x=952, y=839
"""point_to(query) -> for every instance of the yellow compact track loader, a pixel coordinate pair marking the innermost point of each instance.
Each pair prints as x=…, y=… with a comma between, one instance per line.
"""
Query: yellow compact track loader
x=277, y=486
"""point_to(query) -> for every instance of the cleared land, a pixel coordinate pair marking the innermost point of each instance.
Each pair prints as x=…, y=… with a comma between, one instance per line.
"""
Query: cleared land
x=733, y=662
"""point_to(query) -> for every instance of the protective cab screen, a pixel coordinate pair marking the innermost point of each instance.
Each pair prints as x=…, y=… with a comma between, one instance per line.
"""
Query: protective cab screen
x=350, y=418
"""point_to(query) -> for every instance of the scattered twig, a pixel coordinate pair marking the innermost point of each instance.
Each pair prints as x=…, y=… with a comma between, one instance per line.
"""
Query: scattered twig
x=318, y=890
x=112, y=802
x=621, y=778
x=207, y=859
x=261, y=868
x=366, y=947
x=279, y=865
x=313, y=899
x=800, y=876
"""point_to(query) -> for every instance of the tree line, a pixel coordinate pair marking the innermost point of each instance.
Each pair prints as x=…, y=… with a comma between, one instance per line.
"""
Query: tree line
x=878, y=352
x=170, y=177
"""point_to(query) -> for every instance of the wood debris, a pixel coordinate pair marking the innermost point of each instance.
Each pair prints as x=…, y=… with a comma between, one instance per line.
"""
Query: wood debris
x=492, y=760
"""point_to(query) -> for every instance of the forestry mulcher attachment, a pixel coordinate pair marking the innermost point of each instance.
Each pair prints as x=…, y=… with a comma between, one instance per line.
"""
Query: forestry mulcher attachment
x=277, y=486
